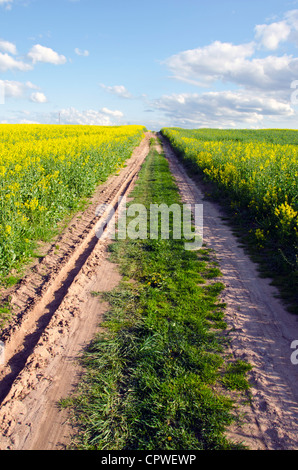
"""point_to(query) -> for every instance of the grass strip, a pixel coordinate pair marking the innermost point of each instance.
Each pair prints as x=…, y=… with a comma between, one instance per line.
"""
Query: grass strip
x=251, y=175
x=156, y=377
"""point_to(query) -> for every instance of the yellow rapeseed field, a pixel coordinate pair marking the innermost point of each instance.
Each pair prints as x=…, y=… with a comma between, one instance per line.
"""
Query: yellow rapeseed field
x=46, y=171
x=258, y=171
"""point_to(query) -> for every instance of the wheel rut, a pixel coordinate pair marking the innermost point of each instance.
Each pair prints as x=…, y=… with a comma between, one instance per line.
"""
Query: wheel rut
x=259, y=327
x=56, y=317
x=53, y=319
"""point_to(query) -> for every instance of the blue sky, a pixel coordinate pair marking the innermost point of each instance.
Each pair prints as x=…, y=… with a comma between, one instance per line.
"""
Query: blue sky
x=191, y=63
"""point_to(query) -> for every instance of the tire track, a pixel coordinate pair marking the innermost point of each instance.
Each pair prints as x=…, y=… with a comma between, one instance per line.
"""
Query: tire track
x=260, y=328
x=48, y=309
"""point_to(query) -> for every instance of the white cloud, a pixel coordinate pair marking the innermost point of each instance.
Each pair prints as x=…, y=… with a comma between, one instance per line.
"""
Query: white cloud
x=116, y=113
x=118, y=90
x=40, y=53
x=38, y=97
x=28, y=121
x=270, y=36
x=13, y=89
x=21, y=91
x=18, y=118
x=88, y=117
x=234, y=64
x=18, y=90
x=220, y=109
x=81, y=53
x=10, y=63
x=206, y=64
x=31, y=85
x=6, y=46
x=261, y=84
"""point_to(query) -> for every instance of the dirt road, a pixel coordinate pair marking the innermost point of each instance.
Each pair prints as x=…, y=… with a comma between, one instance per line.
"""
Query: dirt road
x=261, y=330
x=56, y=317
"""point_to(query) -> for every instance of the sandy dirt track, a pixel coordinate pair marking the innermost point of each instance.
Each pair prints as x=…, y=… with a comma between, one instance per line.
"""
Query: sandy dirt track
x=56, y=317
x=261, y=330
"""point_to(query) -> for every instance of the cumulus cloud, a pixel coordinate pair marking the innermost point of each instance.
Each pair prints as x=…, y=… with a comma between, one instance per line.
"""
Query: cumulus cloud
x=116, y=113
x=104, y=117
x=239, y=64
x=228, y=63
x=7, y=62
x=260, y=84
x=210, y=63
x=13, y=89
x=118, y=90
x=19, y=90
x=38, y=97
x=18, y=117
x=89, y=117
x=6, y=46
x=220, y=109
x=270, y=36
x=40, y=53
x=37, y=54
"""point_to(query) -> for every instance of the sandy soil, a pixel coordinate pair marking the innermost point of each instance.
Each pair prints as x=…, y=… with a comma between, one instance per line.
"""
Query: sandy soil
x=56, y=317
x=260, y=328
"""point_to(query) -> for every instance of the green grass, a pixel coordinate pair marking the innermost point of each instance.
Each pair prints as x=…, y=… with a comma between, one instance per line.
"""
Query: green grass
x=157, y=376
x=252, y=174
x=5, y=313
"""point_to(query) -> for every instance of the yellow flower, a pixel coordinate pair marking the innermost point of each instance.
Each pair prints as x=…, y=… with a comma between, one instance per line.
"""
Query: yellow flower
x=285, y=213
